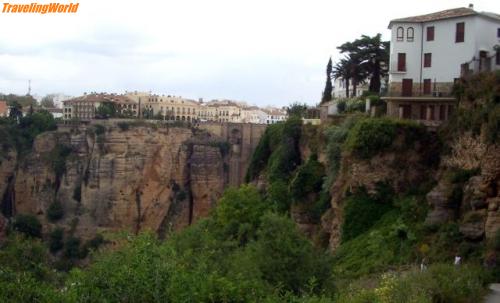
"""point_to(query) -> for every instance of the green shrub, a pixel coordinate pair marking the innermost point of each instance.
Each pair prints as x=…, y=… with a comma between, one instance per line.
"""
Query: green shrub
x=24, y=254
x=181, y=195
x=479, y=108
x=285, y=257
x=72, y=248
x=92, y=245
x=99, y=129
x=55, y=211
x=356, y=105
x=308, y=179
x=341, y=106
x=440, y=283
x=277, y=151
x=373, y=135
x=238, y=213
x=261, y=154
x=56, y=240
x=335, y=138
x=387, y=243
x=23, y=287
x=28, y=225
x=123, y=126
x=279, y=196
x=361, y=211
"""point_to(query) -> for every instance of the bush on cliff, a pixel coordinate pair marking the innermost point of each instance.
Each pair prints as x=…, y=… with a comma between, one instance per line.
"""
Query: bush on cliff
x=56, y=240
x=286, y=258
x=55, y=212
x=361, y=211
x=279, y=196
x=308, y=179
x=371, y=136
x=238, y=213
x=22, y=134
x=277, y=151
x=28, y=225
x=478, y=110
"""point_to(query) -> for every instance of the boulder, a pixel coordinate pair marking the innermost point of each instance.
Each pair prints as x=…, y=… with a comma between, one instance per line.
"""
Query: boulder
x=438, y=198
x=472, y=226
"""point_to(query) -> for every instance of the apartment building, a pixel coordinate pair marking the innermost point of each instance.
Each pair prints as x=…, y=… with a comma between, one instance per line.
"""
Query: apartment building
x=430, y=52
x=253, y=114
x=85, y=107
x=275, y=115
x=226, y=111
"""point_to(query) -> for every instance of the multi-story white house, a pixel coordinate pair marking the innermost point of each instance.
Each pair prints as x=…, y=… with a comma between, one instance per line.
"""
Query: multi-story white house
x=430, y=52
x=340, y=92
x=275, y=115
x=253, y=114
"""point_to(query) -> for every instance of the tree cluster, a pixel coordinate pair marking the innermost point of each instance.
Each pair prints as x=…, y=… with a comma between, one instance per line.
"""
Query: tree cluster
x=365, y=59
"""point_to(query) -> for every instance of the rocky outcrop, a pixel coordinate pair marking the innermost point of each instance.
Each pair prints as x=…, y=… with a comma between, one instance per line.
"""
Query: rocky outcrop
x=490, y=172
x=439, y=199
x=472, y=226
x=478, y=210
x=110, y=179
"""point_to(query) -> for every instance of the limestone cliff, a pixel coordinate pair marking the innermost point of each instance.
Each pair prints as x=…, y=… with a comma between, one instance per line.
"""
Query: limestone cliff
x=110, y=179
x=400, y=169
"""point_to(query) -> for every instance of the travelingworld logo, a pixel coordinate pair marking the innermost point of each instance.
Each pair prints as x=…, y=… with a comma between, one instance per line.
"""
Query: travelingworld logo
x=39, y=8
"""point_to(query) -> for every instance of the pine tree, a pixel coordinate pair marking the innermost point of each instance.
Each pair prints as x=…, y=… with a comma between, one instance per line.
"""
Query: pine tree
x=327, y=93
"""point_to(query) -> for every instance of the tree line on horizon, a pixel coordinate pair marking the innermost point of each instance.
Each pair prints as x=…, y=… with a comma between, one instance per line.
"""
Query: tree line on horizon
x=364, y=58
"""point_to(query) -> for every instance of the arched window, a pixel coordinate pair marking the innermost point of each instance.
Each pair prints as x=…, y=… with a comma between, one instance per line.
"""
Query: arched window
x=410, y=33
x=400, y=34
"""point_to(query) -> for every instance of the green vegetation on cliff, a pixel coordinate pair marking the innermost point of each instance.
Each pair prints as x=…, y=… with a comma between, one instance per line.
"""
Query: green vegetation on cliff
x=20, y=134
x=244, y=252
x=374, y=135
x=278, y=151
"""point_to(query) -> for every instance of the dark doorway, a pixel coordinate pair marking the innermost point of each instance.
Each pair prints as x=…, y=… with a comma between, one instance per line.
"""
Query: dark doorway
x=407, y=87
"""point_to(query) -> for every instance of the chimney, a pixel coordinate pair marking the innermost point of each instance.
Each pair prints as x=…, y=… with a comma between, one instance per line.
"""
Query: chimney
x=471, y=5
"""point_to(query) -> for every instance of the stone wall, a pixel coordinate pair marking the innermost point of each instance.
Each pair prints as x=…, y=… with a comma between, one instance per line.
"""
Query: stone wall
x=243, y=139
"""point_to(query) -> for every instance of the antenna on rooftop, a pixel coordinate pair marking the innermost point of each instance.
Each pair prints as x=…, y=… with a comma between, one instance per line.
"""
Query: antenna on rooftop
x=29, y=88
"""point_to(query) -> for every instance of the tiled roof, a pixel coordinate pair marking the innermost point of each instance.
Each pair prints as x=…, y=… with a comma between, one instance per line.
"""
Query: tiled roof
x=446, y=14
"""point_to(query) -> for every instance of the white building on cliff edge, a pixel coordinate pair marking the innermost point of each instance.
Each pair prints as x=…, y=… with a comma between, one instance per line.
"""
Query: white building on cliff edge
x=430, y=52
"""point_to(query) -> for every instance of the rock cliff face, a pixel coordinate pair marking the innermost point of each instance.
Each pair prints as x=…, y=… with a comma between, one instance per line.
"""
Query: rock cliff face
x=400, y=170
x=477, y=208
x=111, y=179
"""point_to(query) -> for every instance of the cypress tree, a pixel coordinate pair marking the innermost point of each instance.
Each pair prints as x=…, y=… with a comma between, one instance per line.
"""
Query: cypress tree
x=327, y=93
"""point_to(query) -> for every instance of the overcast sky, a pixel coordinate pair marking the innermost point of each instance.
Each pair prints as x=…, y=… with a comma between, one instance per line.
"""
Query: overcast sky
x=260, y=51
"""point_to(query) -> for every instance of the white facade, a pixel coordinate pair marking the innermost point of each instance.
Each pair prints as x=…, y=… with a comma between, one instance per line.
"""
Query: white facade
x=339, y=89
x=253, y=114
x=446, y=54
x=275, y=115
